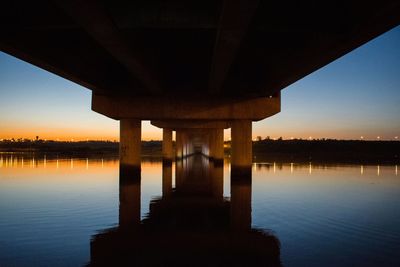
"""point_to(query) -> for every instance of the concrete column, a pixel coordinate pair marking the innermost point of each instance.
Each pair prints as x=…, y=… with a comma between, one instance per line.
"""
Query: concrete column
x=241, y=204
x=166, y=178
x=167, y=145
x=186, y=138
x=179, y=144
x=185, y=144
x=241, y=160
x=179, y=173
x=206, y=144
x=129, y=200
x=241, y=148
x=130, y=145
x=191, y=145
x=216, y=143
x=211, y=143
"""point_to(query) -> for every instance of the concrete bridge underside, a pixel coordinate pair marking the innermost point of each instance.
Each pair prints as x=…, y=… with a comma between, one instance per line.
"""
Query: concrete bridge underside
x=194, y=67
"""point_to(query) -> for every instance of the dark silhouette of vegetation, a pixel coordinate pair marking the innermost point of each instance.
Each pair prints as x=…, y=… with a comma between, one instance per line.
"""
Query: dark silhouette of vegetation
x=296, y=150
x=327, y=150
x=90, y=147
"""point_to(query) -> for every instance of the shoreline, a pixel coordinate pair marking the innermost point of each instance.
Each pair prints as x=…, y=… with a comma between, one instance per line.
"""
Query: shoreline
x=291, y=151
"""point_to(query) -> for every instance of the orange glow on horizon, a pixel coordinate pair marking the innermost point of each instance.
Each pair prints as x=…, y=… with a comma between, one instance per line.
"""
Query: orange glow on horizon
x=149, y=132
x=75, y=134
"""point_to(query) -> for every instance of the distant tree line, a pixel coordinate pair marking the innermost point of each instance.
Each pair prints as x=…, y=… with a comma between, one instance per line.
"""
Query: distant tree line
x=267, y=149
x=327, y=150
x=74, y=148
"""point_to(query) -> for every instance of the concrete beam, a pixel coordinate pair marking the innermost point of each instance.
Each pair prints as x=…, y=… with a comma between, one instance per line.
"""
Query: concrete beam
x=191, y=124
x=174, y=108
x=278, y=48
x=94, y=19
x=166, y=15
x=234, y=21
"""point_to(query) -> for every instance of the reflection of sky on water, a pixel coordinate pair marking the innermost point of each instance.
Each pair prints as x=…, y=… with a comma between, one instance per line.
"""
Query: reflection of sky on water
x=322, y=214
x=334, y=212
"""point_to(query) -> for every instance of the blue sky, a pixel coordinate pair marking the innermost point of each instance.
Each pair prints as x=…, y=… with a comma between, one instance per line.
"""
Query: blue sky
x=356, y=95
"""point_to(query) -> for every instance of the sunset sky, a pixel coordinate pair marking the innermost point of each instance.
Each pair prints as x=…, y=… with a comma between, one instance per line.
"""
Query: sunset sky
x=356, y=95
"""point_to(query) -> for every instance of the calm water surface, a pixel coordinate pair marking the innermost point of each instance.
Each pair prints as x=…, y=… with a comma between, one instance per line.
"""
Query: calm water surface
x=77, y=212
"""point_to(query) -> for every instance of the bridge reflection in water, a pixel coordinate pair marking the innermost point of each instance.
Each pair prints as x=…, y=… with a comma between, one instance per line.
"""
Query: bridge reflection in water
x=191, y=224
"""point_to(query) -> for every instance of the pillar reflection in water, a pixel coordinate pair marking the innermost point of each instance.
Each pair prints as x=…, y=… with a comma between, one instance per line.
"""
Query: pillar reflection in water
x=241, y=202
x=129, y=197
x=189, y=225
x=166, y=178
x=217, y=178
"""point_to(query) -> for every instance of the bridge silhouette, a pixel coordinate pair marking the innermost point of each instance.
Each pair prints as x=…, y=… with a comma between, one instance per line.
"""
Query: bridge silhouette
x=193, y=67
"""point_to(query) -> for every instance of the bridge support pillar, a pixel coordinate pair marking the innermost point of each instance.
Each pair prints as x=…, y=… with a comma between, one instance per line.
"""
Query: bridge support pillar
x=185, y=140
x=179, y=144
x=205, y=148
x=130, y=145
x=184, y=143
x=216, y=141
x=241, y=148
x=167, y=145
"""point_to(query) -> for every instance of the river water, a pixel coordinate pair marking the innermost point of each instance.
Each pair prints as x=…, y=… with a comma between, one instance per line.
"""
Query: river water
x=82, y=211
